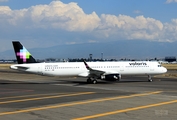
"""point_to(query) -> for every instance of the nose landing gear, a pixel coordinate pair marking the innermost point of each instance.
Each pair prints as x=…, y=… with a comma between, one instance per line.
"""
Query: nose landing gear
x=150, y=78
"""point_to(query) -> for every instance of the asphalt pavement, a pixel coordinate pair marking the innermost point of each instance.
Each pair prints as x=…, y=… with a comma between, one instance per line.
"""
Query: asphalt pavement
x=32, y=97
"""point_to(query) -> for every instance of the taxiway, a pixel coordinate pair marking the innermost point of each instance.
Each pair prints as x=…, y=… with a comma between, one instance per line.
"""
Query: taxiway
x=34, y=97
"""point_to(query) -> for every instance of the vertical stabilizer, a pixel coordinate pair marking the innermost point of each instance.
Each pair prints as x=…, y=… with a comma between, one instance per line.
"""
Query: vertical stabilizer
x=22, y=54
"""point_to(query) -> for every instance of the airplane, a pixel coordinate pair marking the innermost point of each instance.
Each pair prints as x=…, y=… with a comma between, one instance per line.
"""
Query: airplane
x=110, y=71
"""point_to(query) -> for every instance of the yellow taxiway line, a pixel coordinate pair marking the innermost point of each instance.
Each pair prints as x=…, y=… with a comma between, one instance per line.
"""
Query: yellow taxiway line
x=48, y=97
x=32, y=95
x=78, y=103
x=125, y=110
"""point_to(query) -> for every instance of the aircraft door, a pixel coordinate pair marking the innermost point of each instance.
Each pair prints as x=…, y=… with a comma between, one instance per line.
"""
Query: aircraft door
x=122, y=68
x=40, y=70
x=151, y=68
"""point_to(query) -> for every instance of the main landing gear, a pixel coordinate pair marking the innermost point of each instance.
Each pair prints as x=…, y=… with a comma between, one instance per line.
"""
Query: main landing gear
x=90, y=80
x=149, y=78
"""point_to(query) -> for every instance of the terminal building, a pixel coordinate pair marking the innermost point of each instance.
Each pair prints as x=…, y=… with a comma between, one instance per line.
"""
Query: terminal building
x=170, y=59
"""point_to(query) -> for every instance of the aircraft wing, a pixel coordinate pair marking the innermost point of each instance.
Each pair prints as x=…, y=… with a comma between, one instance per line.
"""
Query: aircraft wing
x=97, y=73
x=18, y=67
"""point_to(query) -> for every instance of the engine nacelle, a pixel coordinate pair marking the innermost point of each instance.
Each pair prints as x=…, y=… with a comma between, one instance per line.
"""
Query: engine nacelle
x=111, y=77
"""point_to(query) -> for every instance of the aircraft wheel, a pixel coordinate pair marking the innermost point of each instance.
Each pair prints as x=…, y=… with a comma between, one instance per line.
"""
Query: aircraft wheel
x=94, y=81
x=150, y=80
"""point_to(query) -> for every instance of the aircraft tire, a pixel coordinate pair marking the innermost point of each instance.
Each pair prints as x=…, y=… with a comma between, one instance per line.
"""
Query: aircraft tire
x=150, y=80
x=94, y=81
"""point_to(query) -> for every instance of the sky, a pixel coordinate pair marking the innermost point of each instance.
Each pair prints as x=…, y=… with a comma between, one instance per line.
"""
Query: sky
x=46, y=23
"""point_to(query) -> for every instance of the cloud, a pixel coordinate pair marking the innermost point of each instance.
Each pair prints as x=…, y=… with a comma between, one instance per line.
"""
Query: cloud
x=4, y=0
x=58, y=23
x=171, y=1
x=137, y=12
x=126, y=27
x=170, y=31
x=56, y=15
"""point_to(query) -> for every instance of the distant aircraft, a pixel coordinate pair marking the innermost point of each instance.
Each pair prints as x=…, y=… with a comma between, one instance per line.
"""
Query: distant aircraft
x=110, y=71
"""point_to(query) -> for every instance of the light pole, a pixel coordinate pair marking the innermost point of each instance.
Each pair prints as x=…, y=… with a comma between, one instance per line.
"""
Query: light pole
x=101, y=56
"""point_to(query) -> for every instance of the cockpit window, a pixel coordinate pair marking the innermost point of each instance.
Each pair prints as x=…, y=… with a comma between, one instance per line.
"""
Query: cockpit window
x=159, y=65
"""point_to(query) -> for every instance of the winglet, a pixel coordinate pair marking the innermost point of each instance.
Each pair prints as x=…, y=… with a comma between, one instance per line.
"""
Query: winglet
x=22, y=54
x=86, y=65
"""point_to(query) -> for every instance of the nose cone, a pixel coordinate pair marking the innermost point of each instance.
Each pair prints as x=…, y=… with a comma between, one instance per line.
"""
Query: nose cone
x=164, y=70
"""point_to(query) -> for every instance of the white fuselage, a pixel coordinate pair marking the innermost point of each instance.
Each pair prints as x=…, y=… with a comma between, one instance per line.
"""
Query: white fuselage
x=79, y=69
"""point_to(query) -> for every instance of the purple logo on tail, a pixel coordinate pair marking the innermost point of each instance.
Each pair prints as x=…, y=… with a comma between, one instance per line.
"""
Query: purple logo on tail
x=24, y=54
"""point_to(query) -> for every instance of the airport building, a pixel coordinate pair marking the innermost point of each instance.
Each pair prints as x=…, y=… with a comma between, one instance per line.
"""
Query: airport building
x=170, y=59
